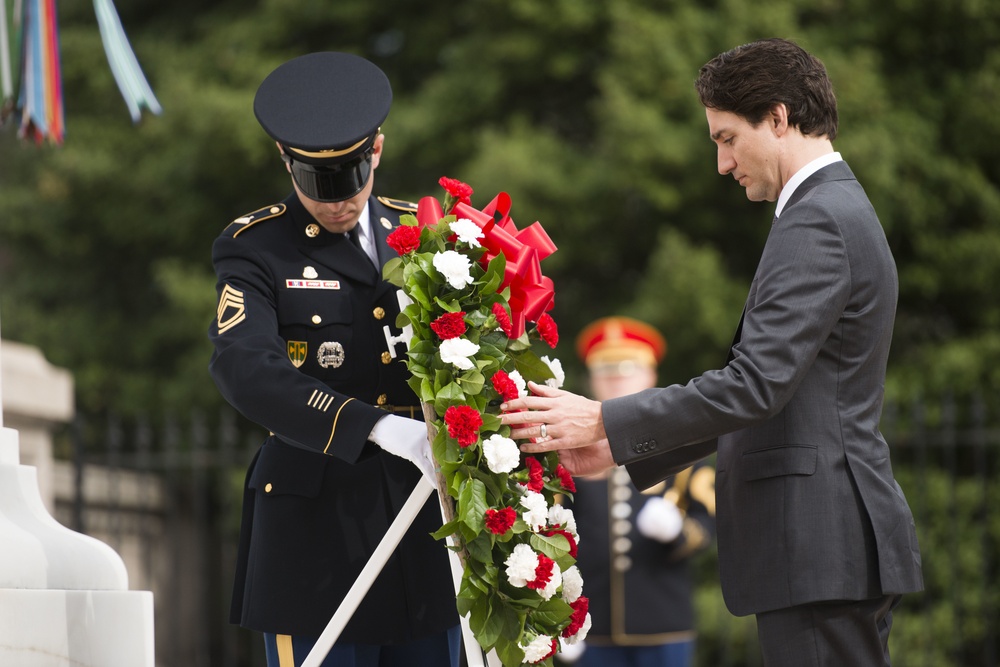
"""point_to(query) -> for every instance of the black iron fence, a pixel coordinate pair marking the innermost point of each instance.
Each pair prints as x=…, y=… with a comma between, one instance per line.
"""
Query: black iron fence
x=166, y=494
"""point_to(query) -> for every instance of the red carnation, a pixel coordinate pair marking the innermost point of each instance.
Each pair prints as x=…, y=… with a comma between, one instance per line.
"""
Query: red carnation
x=565, y=478
x=457, y=190
x=548, y=330
x=535, y=480
x=580, y=607
x=463, y=424
x=500, y=521
x=503, y=320
x=449, y=325
x=404, y=239
x=504, y=386
x=543, y=573
x=569, y=538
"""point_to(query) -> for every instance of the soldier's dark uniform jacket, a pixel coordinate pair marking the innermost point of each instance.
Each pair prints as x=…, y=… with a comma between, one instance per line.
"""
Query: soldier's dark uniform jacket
x=641, y=590
x=300, y=349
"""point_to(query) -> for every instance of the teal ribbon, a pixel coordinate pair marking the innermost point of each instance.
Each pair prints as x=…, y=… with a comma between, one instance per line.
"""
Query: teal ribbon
x=131, y=81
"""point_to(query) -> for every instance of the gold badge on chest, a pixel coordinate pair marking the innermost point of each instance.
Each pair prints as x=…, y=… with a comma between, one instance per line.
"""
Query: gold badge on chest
x=330, y=354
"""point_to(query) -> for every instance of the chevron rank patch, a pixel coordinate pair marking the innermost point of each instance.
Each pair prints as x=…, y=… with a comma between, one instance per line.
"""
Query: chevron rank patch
x=232, y=309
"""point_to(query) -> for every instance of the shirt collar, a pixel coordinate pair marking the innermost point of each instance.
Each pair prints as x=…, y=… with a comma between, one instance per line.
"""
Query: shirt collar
x=802, y=174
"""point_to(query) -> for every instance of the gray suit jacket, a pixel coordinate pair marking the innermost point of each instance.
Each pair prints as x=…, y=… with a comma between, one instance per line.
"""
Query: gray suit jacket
x=807, y=506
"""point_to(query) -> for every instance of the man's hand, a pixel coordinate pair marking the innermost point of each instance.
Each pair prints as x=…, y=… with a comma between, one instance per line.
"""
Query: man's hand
x=555, y=419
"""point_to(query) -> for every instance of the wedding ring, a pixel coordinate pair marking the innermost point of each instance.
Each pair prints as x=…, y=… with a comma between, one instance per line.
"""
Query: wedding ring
x=542, y=431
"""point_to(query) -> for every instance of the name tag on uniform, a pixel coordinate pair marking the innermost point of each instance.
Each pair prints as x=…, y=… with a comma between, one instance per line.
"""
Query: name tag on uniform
x=298, y=283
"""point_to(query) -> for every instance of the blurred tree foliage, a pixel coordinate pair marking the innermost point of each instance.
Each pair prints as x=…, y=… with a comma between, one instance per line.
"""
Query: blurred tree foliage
x=583, y=110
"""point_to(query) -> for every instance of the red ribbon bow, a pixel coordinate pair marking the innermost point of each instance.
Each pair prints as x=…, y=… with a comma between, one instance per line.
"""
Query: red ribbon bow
x=531, y=293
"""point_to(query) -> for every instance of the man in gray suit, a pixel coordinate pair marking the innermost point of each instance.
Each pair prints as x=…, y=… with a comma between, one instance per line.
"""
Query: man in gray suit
x=814, y=534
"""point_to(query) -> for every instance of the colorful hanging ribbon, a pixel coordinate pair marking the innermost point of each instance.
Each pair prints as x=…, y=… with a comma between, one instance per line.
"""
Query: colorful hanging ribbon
x=40, y=96
x=124, y=65
x=531, y=293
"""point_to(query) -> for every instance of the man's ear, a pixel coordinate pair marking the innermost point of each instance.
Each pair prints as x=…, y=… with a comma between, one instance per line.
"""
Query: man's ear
x=281, y=151
x=377, y=150
x=777, y=119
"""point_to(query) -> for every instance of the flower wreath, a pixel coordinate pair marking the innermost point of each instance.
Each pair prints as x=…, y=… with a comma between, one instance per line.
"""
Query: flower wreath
x=475, y=303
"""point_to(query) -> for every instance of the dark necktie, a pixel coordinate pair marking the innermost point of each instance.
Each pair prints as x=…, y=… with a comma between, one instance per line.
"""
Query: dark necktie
x=356, y=240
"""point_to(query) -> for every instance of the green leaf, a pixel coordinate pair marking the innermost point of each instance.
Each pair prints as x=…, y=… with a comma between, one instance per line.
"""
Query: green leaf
x=392, y=271
x=494, y=274
x=472, y=501
x=446, y=530
x=552, y=612
x=449, y=395
x=531, y=367
x=472, y=382
x=510, y=653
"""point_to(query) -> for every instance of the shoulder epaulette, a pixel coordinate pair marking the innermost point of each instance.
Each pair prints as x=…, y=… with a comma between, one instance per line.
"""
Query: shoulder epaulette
x=244, y=222
x=398, y=204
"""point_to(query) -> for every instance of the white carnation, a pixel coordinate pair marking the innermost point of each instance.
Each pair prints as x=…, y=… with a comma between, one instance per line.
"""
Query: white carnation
x=563, y=516
x=457, y=351
x=538, y=648
x=557, y=371
x=454, y=267
x=572, y=583
x=467, y=232
x=502, y=454
x=538, y=510
x=554, y=583
x=521, y=565
x=522, y=386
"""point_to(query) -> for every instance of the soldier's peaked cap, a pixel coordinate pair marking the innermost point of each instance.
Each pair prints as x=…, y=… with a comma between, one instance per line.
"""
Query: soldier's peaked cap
x=325, y=106
x=611, y=340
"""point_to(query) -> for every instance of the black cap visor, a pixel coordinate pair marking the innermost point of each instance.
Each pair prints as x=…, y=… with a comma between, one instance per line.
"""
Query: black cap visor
x=331, y=183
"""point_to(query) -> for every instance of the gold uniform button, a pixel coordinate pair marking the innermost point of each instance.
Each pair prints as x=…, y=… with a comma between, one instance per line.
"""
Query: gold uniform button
x=379, y=312
x=267, y=488
x=386, y=358
x=382, y=399
x=275, y=209
x=317, y=319
x=312, y=230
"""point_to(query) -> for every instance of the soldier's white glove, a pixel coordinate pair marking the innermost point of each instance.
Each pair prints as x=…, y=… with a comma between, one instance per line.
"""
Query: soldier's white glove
x=406, y=438
x=660, y=520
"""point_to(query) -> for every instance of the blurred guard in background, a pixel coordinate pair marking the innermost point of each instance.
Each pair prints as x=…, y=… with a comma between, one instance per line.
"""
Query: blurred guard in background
x=301, y=349
x=635, y=555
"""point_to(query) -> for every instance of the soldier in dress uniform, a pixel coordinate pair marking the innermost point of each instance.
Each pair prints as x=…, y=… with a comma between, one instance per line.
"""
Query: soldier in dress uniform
x=303, y=347
x=635, y=555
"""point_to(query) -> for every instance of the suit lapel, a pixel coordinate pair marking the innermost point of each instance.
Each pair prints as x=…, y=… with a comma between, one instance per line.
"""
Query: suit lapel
x=837, y=171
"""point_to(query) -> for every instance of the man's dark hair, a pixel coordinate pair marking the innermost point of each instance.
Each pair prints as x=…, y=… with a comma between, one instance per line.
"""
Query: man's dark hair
x=750, y=79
